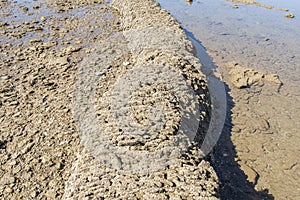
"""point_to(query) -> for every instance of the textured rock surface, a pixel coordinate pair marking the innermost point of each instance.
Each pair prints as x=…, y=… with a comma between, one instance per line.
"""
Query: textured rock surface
x=38, y=136
x=147, y=156
x=60, y=63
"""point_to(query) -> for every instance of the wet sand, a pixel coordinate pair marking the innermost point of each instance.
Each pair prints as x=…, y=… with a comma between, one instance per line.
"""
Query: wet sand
x=264, y=119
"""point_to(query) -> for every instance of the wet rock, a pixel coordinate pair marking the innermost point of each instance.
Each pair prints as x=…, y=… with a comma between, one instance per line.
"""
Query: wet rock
x=59, y=166
x=72, y=49
x=263, y=124
x=7, y=180
x=283, y=9
x=289, y=15
x=240, y=82
x=243, y=77
x=273, y=78
x=45, y=159
x=34, y=194
x=8, y=190
x=189, y=1
x=36, y=40
x=2, y=144
x=3, y=24
x=27, y=148
x=43, y=18
x=25, y=9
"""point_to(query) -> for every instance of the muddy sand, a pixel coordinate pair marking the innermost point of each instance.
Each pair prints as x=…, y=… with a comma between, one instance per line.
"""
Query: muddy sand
x=95, y=106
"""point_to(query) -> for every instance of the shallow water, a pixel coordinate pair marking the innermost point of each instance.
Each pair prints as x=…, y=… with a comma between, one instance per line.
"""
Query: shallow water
x=240, y=34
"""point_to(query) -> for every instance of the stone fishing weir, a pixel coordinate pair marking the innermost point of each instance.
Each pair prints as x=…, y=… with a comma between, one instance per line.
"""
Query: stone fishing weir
x=144, y=113
x=103, y=101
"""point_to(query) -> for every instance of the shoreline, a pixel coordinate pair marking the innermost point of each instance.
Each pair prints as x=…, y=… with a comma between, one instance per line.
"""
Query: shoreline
x=260, y=137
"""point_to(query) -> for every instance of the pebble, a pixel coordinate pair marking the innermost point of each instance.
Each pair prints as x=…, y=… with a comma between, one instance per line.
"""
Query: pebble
x=36, y=40
x=71, y=49
x=59, y=166
x=3, y=24
x=25, y=9
x=289, y=15
x=273, y=78
x=27, y=148
x=8, y=190
x=13, y=162
x=34, y=194
x=7, y=180
x=43, y=18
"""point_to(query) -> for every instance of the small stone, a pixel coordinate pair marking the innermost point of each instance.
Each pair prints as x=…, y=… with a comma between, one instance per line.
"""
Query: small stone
x=240, y=83
x=266, y=39
x=195, y=86
x=25, y=9
x=26, y=71
x=235, y=6
x=273, y=78
x=35, y=41
x=290, y=15
x=12, y=180
x=13, y=103
x=3, y=24
x=189, y=1
x=52, y=183
x=5, y=77
x=45, y=159
x=43, y=18
x=38, y=29
x=27, y=176
x=263, y=124
x=27, y=148
x=13, y=162
x=283, y=9
x=72, y=49
x=59, y=166
x=15, y=156
x=126, y=63
x=34, y=194
x=47, y=45
x=8, y=190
